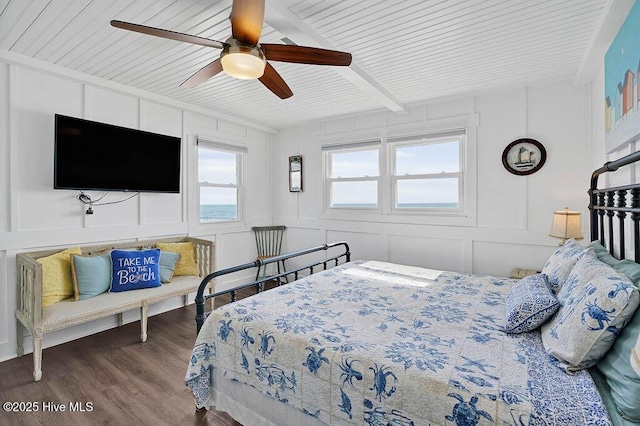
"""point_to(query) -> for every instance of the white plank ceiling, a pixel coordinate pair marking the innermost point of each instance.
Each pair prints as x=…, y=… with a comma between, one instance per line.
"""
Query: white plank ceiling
x=404, y=51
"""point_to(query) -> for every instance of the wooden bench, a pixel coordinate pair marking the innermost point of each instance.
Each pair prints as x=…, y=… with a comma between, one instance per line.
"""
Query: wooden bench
x=38, y=320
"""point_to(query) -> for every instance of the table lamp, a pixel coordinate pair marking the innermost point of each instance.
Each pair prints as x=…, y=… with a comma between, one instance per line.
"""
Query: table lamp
x=566, y=224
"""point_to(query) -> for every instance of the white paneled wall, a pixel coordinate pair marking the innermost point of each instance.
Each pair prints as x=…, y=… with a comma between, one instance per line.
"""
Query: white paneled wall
x=509, y=222
x=34, y=216
x=4, y=149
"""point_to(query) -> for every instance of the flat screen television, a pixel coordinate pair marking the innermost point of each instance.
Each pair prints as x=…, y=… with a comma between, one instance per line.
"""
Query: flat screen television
x=96, y=156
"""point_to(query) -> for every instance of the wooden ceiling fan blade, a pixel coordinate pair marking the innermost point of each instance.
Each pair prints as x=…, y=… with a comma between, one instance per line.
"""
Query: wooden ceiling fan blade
x=247, y=17
x=305, y=55
x=274, y=82
x=204, y=74
x=171, y=35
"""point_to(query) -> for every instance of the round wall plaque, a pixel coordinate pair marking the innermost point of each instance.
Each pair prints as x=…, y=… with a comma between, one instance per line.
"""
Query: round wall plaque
x=524, y=156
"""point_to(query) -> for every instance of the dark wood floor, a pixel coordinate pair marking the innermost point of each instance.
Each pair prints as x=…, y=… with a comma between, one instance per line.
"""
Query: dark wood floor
x=126, y=381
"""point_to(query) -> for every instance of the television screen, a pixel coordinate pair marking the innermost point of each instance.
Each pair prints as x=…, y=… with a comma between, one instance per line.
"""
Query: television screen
x=97, y=156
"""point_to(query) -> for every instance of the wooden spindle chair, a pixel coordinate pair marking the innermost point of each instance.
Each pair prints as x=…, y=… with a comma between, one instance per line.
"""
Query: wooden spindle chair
x=269, y=244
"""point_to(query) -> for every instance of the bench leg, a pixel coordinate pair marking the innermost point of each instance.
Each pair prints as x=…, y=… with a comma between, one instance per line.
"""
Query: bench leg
x=37, y=355
x=143, y=322
x=120, y=322
x=185, y=301
x=19, y=338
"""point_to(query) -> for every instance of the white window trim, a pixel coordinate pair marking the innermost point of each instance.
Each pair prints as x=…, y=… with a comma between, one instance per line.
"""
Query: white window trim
x=327, y=180
x=433, y=138
x=241, y=159
x=468, y=217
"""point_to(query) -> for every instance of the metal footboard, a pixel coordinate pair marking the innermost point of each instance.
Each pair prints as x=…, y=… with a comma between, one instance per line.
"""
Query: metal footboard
x=201, y=297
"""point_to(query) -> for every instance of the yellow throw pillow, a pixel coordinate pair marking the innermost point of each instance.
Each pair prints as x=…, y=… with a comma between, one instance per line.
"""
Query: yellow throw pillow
x=57, y=282
x=187, y=264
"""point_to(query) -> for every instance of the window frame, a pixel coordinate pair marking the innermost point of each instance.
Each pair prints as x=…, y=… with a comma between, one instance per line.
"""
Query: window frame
x=241, y=153
x=328, y=150
x=466, y=216
x=426, y=139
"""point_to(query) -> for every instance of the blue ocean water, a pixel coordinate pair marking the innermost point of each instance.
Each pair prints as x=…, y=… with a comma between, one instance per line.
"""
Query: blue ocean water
x=217, y=212
x=220, y=212
x=401, y=206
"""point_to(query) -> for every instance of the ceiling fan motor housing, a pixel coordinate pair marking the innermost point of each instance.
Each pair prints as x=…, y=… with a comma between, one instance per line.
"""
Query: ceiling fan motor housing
x=242, y=61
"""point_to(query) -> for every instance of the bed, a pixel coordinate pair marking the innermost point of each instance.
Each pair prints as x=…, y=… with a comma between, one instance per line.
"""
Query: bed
x=375, y=343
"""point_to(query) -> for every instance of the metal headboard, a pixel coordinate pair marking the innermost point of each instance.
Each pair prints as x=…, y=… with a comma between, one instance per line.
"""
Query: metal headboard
x=615, y=201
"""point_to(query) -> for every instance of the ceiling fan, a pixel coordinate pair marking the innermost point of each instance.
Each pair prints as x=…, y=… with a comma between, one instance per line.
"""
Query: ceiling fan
x=242, y=56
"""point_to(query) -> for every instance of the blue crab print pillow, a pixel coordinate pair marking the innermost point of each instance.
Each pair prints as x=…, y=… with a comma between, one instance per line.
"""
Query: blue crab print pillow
x=561, y=262
x=131, y=270
x=529, y=304
x=598, y=302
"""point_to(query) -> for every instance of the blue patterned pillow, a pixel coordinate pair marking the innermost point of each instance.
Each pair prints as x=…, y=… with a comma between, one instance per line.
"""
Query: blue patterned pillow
x=529, y=304
x=132, y=270
x=597, y=303
x=561, y=262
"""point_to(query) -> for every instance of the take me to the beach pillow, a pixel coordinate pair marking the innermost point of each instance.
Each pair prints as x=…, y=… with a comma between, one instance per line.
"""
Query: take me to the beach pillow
x=133, y=270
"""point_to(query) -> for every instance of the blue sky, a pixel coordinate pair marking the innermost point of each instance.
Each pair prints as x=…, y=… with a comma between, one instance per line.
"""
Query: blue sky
x=410, y=159
x=217, y=167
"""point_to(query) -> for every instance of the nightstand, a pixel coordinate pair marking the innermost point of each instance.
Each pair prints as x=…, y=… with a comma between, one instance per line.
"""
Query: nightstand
x=519, y=273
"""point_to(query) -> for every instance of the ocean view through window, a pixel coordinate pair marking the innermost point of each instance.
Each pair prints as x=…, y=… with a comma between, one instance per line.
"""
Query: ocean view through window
x=220, y=181
x=218, y=212
x=397, y=174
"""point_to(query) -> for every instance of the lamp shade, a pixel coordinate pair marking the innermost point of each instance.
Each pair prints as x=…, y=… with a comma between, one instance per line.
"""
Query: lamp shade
x=566, y=224
x=635, y=357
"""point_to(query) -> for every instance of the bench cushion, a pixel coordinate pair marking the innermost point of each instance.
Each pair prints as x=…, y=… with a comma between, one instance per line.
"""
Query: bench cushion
x=69, y=312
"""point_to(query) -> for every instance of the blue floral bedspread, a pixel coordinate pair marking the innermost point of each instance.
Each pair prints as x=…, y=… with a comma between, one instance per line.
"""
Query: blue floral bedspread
x=376, y=343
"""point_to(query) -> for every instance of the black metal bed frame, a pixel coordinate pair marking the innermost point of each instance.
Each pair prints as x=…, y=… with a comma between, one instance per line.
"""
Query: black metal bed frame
x=602, y=202
x=258, y=284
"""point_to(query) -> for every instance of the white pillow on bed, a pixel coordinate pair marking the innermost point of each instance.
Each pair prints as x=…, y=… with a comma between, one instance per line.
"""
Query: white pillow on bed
x=597, y=303
x=529, y=304
x=561, y=262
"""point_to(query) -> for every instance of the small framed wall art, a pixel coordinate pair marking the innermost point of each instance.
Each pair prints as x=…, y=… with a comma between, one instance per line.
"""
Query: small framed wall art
x=295, y=173
x=524, y=156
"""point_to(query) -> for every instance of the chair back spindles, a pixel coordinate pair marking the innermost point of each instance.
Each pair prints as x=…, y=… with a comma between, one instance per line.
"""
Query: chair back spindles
x=269, y=243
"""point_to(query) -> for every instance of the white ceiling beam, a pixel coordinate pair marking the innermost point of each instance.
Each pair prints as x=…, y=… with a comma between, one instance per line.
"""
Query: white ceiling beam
x=614, y=14
x=281, y=19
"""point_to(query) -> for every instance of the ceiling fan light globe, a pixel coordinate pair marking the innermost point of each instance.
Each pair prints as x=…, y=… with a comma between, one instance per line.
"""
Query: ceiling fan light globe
x=242, y=61
x=243, y=66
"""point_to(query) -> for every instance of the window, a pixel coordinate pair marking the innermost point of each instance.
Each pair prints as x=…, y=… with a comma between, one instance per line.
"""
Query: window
x=220, y=181
x=353, y=175
x=427, y=172
x=397, y=174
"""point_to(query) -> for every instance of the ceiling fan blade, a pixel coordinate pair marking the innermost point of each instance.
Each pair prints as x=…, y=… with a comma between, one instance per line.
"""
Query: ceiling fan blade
x=272, y=80
x=171, y=35
x=305, y=55
x=246, y=20
x=204, y=74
